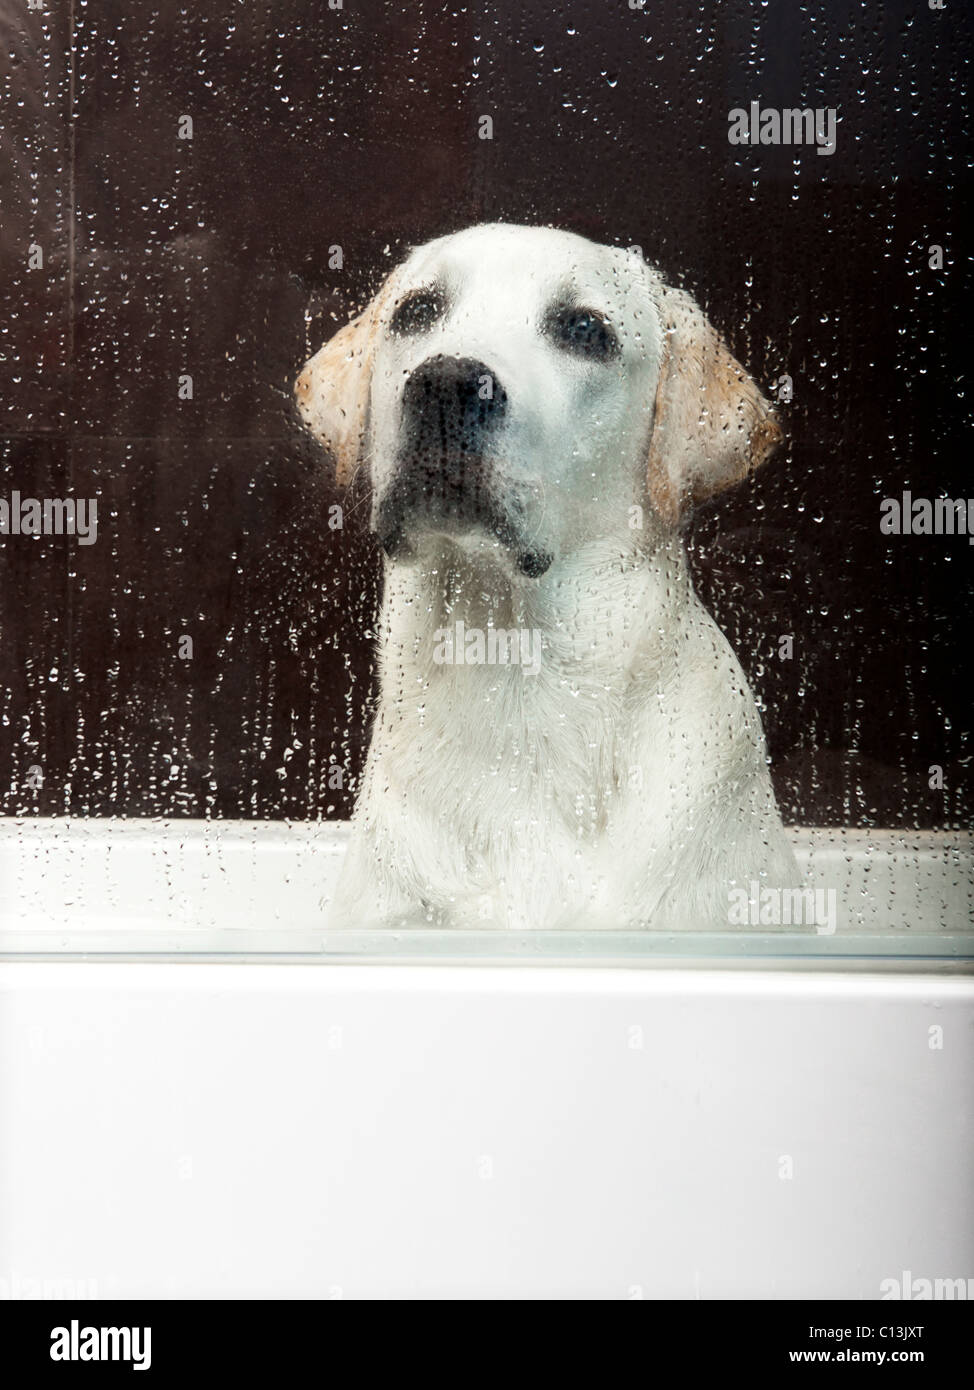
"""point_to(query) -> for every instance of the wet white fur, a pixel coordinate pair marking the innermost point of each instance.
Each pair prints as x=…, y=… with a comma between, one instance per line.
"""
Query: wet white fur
x=625, y=784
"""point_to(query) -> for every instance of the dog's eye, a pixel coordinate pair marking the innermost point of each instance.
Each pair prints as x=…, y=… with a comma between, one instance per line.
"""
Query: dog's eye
x=418, y=312
x=583, y=331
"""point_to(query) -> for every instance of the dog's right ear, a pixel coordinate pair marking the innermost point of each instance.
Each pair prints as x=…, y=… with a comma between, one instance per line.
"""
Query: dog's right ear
x=333, y=391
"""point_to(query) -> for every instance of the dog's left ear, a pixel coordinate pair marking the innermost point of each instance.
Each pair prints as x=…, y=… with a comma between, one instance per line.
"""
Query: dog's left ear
x=333, y=391
x=712, y=426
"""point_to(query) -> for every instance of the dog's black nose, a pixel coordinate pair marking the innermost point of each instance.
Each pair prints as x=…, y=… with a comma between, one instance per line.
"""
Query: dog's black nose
x=450, y=403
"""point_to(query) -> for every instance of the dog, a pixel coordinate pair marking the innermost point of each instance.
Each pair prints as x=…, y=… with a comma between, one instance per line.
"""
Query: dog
x=563, y=737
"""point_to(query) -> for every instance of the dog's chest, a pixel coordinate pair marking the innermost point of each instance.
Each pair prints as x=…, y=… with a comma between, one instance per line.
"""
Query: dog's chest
x=511, y=766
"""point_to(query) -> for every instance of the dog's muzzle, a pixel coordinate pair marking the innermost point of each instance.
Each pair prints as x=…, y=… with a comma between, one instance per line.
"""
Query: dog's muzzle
x=452, y=411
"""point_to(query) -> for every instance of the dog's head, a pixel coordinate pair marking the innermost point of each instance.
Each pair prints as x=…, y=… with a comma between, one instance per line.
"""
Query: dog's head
x=519, y=389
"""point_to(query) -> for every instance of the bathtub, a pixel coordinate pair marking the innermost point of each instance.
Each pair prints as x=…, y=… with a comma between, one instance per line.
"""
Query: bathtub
x=204, y=1092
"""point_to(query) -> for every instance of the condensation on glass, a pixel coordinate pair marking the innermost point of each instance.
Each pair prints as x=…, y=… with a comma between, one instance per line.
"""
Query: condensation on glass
x=195, y=575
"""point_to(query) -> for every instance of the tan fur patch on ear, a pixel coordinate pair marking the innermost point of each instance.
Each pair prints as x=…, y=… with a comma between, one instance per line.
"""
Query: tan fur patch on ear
x=712, y=426
x=333, y=389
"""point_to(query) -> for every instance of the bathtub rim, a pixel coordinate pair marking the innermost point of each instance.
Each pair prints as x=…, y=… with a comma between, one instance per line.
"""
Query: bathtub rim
x=895, y=950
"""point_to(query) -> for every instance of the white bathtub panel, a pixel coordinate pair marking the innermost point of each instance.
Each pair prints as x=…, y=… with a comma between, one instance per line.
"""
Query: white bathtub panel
x=345, y=1130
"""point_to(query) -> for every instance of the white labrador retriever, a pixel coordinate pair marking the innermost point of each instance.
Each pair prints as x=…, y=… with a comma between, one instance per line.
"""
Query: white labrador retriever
x=564, y=737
